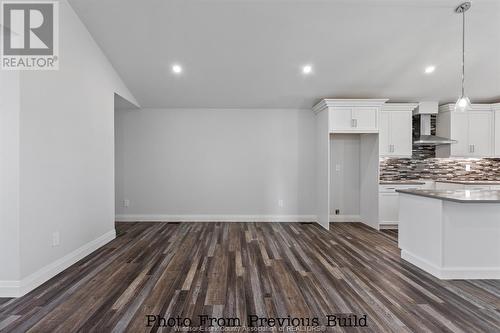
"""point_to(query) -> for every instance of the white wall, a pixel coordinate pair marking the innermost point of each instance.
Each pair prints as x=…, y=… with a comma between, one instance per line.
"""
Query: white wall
x=345, y=181
x=222, y=163
x=66, y=154
x=9, y=175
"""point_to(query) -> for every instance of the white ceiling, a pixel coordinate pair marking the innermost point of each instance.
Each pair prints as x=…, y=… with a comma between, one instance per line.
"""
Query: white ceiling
x=249, y=53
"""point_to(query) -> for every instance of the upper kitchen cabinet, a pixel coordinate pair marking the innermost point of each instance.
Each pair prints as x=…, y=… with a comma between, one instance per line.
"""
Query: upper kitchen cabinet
x=395, y=129
x=352, y=115
x=474, y=131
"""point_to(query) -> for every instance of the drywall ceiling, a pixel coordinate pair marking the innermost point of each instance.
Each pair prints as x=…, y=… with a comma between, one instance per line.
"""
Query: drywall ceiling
x=249, y=53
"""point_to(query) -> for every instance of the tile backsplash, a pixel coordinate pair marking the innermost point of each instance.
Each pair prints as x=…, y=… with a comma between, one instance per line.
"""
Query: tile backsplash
x=424, y=165
x=439, y=169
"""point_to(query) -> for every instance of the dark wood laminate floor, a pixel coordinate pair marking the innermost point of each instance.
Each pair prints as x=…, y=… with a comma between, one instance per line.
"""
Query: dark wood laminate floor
x=236, y=269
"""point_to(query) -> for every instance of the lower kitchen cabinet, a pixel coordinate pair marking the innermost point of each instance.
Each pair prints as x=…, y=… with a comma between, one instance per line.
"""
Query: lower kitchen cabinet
x=388, y=209
x=389, y=204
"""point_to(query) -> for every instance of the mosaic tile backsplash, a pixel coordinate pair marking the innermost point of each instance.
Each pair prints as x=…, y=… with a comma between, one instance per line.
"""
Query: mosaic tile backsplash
x=425, y=165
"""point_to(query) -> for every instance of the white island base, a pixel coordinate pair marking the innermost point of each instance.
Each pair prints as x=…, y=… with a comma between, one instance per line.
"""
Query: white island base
x=450, y=239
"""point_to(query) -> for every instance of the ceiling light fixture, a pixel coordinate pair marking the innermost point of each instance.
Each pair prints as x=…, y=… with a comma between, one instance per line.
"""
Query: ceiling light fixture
x=463, y=102
x=430, y=69
x=177, y=69
x=307, y=69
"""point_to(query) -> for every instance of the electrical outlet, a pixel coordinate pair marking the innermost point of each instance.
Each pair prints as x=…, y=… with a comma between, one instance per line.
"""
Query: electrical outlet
x=280, y=203
x=467, y=167
x=126, y=203
x=337, y=167
x=337, y=211
x=56, y=239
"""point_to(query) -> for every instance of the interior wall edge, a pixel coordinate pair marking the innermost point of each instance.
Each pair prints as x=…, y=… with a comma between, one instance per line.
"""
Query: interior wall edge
x=18, y=288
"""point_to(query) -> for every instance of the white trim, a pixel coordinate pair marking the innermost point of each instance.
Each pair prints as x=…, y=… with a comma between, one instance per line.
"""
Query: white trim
x=452, y=273
x=10, y=288
x=395, y=107
x=345, y=218
x=332, y=103
x=354, y=131
x=475, y=107
x=388, y=226
x=18, y=288
x=214, y=218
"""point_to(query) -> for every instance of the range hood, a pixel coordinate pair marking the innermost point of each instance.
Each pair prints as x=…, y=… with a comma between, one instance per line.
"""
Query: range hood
x=425, y=110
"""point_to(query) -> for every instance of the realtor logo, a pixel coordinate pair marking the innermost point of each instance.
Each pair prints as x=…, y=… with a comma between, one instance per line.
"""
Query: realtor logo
x=30, y=34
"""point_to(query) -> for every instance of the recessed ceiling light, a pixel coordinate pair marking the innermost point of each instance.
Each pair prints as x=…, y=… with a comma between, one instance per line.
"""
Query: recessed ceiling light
x=177, y=69
x=430, y=69
x=307, y=69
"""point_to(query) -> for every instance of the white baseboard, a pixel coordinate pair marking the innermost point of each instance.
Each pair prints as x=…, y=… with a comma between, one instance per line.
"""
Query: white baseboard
x=345, y=218
x=214, y=218
x=19, y=288
x=388, y=226
x=452, y=273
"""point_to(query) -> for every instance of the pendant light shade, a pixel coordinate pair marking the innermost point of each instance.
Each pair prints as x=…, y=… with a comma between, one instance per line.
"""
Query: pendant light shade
x=463, y=103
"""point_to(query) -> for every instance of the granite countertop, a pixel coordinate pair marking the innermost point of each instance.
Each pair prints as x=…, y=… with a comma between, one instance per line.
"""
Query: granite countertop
x=462, y=196
x=471, y=182
x=401, y=182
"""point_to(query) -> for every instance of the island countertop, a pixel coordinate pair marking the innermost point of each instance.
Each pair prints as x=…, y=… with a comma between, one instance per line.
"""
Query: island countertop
x=461, y=196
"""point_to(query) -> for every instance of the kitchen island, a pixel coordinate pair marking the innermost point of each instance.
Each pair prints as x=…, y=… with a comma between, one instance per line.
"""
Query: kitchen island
x=451, y=234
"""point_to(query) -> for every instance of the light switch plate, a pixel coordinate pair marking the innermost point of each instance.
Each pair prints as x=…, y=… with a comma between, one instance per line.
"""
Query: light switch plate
x=56, y=238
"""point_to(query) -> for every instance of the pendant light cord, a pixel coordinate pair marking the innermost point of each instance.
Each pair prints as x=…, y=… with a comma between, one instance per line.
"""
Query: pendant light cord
x=463, y=53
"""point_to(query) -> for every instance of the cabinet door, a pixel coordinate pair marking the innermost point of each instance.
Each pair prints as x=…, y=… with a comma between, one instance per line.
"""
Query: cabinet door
x=480, y=134
x=365, y=118
x=401, y=133
x=389, y=208
x=459, y=132
x=496, y=133
x=449, y=186
x=341, y=119
x=384, y=135
x=477, y=187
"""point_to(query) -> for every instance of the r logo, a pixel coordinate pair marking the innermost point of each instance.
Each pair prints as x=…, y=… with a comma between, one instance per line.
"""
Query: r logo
x=30, y=29
x=30, y=35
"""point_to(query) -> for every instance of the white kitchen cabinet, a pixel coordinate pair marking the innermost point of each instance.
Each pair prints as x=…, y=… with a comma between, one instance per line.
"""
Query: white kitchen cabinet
x=474, y=131
x=480, y=134
x=389, y=204
x=496, y=108
x=341, y=118
x=353, y=119
x=351, y=115
x=395, y=130
x=389, y=209
x=448, y=186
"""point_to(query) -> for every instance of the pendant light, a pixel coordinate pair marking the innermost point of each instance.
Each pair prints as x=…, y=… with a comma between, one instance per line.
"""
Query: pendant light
x=463, y=102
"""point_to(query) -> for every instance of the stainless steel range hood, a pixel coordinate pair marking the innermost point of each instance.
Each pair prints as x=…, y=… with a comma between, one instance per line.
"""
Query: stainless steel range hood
x=425, y=110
